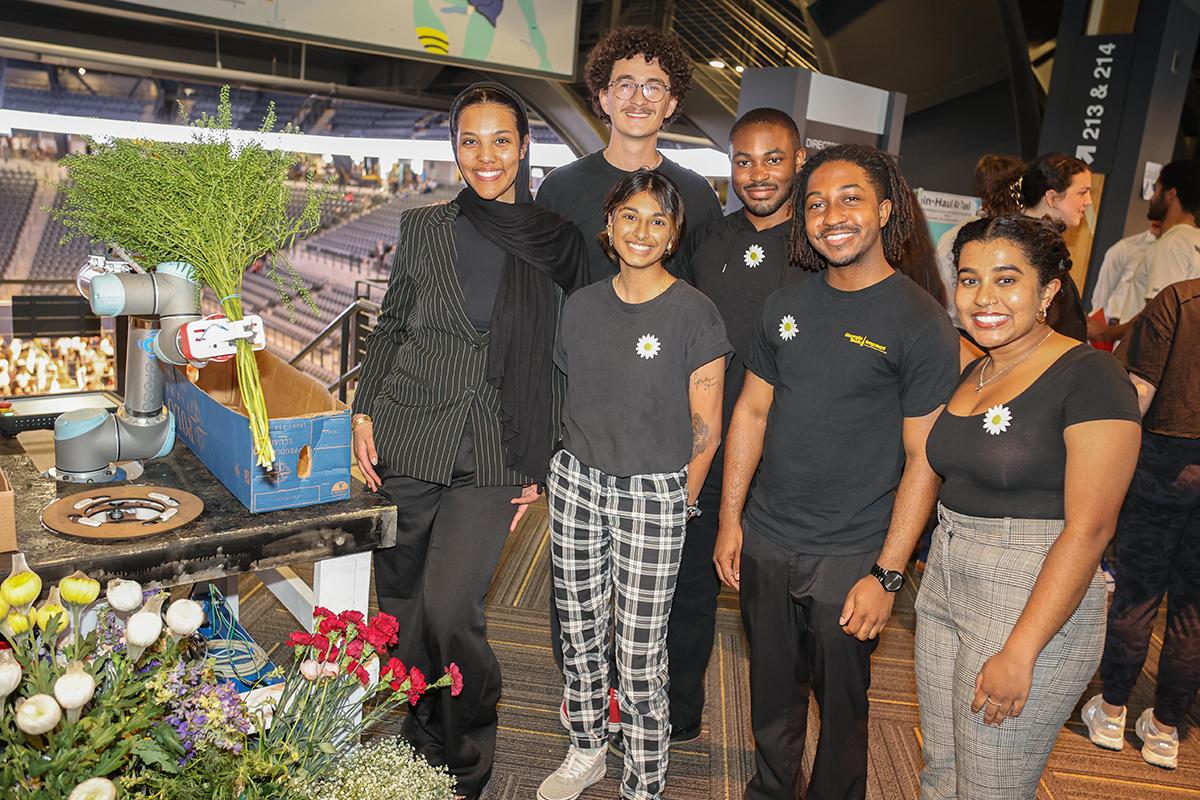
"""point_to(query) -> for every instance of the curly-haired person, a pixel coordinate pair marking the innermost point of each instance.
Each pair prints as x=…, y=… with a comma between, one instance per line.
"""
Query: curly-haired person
x=637, y=78
x=846, y=372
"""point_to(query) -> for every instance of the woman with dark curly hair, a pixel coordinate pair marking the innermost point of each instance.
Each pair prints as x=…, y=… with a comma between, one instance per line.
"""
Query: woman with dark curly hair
x=1010, y=615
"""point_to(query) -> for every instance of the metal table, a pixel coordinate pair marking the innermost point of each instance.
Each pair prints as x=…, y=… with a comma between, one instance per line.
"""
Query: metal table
x=225, y=541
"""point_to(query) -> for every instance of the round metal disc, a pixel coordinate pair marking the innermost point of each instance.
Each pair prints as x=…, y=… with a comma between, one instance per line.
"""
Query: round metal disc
x=63, y=515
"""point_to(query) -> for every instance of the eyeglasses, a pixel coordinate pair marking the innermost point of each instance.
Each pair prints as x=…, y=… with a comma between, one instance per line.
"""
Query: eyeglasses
x=654, y=91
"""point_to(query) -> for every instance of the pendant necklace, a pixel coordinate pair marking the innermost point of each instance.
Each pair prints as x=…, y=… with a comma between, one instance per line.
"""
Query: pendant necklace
x=982, y=383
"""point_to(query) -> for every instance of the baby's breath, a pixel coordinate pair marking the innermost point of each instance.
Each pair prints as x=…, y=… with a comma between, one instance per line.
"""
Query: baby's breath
x=385, y=769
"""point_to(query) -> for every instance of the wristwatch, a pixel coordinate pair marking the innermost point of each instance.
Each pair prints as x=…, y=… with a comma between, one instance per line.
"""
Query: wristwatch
x=693, y=511
x=889, y=579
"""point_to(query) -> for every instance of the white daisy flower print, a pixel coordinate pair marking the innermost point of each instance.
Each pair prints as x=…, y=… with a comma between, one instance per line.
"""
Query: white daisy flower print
x=787, y=328
x=648, y=346
x=997, y=419
x=754, y=256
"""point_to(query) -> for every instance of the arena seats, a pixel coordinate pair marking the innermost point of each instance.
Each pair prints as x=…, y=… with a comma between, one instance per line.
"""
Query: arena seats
x=16, y=193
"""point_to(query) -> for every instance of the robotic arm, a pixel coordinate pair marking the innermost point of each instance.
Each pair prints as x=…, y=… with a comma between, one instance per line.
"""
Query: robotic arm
x=165, y=325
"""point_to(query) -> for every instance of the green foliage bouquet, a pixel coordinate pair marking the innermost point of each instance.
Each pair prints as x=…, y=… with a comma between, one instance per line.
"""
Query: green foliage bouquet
x=217, y=204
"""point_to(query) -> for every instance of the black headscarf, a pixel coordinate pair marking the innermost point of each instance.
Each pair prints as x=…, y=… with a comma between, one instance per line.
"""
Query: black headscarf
x=542, y=250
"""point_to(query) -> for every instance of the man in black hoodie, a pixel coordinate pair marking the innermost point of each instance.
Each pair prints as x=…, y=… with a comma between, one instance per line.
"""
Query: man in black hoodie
x=742, y=258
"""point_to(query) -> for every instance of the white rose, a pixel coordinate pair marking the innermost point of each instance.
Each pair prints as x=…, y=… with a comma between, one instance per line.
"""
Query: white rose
x=184, y=617
x=38, y=714
x=75, y=687
x=94, y=789
x=124, y=596
x=10, y=674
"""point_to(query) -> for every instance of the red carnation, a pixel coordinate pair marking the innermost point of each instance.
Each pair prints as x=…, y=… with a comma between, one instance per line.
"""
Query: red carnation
x=354, y=648
x=456, y=681
x=351, y=616
x=299, y=639
x=334, y=654
x=416, y=681
x=386, y=625
x=331, y=624
x=394, y=667
x=363, y=676
x=378, y=639
x=322, y=613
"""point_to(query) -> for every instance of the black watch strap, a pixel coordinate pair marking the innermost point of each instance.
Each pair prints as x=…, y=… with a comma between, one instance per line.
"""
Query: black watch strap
x=889, y=579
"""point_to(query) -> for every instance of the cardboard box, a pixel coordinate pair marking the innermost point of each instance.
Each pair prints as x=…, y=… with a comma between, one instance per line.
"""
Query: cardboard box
x=310, y=429
x=8, y=516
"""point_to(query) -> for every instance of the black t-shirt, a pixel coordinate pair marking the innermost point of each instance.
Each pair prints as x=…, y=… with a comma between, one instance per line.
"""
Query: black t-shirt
x=847, y=368
x=737, y=267
x=627, y=366
x=479, y=265
x=1163, y=347
x=1011, y=460
x=577, y=191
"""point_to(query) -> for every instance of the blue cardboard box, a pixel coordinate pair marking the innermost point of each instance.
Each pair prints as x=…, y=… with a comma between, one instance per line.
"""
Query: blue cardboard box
x=310, y=429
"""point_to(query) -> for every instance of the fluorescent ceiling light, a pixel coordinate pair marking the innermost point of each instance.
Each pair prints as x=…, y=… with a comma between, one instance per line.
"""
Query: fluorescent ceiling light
x=717, y=63
x=707, y=161
x=739, y=69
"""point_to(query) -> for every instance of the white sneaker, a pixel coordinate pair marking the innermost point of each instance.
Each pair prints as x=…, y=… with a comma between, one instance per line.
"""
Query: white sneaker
x=1104, y=731
x=1158, y=748
x=579, y=770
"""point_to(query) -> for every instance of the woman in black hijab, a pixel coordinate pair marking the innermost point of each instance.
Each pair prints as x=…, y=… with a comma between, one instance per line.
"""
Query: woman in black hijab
x=454, y=417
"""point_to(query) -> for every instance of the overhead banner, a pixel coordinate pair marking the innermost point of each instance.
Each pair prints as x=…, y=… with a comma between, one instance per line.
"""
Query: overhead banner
x=524, y=36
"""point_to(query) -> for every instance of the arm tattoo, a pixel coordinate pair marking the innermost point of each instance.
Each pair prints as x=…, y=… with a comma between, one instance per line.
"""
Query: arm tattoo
x=706, y=384
x=699, y=435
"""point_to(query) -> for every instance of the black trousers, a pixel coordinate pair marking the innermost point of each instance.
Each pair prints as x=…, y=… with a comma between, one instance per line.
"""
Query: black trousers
x=790, y=607
x=694, y=613
x=1158, y=552
x=448, y=542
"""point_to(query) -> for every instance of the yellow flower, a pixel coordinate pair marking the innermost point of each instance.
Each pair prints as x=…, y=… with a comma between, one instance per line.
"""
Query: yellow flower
x=78, y=589
x=15, y=624
x=47, y=612
x=21, y=588
x=3, y=607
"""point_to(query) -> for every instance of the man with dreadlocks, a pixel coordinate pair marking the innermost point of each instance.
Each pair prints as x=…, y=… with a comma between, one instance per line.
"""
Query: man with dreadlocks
x=846, y=373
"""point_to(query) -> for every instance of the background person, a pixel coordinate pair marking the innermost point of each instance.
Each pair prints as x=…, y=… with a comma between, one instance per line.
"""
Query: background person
x=452, y=415
x=1010, y=615
x=743, y=258
x=644, y=354
x=1158, y=533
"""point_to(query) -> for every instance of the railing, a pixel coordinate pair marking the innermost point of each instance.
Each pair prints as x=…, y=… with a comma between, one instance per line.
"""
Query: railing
x=739, y=34
x=348, y=322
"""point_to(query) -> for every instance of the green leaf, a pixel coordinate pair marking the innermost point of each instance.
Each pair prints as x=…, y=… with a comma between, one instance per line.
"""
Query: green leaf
x=152, y=754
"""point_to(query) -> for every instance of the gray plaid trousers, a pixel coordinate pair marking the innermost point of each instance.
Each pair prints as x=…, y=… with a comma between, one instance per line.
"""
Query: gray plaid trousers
x=980, y=574
x=625, y=534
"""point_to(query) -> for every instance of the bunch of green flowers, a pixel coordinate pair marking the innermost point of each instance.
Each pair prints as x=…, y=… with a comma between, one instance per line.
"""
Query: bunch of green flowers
x=385, y=769
x=214, y=203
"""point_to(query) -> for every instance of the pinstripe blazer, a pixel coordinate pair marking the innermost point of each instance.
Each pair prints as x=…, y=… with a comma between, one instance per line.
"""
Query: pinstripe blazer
x=425, y=369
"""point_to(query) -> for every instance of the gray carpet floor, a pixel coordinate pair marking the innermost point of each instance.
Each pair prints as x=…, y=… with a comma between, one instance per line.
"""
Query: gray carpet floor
x=717, y=765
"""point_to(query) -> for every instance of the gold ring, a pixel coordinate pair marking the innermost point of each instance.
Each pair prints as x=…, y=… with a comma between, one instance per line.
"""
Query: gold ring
x=993, y=702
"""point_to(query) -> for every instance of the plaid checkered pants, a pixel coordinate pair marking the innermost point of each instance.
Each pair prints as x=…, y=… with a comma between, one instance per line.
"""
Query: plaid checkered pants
x=981, y=572
x=625, y=534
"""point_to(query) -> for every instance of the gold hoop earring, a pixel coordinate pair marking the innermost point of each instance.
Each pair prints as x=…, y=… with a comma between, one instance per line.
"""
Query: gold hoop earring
x=1040, y=316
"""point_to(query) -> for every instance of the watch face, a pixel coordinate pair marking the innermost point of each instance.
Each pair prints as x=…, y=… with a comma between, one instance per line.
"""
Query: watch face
x=892, y=581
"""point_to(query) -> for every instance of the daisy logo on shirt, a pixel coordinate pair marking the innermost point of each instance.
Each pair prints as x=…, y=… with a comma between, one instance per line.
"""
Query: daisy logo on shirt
x=997, y=420
x=754, y=256
x=648, y=346
x=787, y=328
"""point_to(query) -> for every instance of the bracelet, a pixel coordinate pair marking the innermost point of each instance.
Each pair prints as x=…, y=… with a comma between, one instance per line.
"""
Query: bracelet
x=359, y=420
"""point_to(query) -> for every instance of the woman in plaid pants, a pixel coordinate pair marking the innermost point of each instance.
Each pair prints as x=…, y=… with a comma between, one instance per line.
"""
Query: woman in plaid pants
x=644, y=356
x=1010, y=616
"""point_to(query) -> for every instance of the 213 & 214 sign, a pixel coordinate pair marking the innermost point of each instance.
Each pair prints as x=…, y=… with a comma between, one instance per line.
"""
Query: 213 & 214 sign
x=1099, y=93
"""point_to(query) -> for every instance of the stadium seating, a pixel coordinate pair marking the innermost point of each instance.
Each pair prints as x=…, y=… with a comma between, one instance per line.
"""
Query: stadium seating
x=17, y=188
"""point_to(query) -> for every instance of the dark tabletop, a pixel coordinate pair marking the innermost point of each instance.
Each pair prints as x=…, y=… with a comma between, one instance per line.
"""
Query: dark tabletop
x=226, y=539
